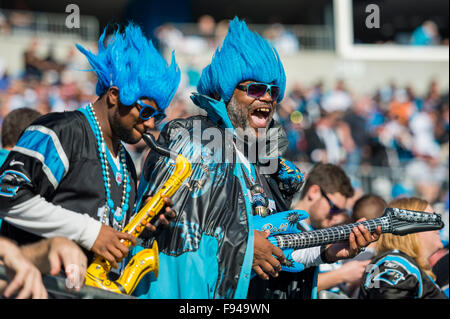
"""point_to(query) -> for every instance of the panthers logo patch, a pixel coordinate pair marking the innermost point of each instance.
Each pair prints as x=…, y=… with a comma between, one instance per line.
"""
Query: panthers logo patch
x=390, y=276
x=10, y=181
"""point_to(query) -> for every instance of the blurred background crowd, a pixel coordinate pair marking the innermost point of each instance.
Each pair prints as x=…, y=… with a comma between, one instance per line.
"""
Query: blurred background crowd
x=390, y=132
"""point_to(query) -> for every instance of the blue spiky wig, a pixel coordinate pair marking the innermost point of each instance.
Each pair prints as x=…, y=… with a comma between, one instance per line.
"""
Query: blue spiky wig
x=131, y=62
x=244, y=55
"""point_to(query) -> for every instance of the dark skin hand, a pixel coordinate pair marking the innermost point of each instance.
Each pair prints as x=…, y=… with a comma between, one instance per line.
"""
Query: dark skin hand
x=267, y=258
x=109, y=243
x=265, y=263
x=164, y=218
x=360, y=237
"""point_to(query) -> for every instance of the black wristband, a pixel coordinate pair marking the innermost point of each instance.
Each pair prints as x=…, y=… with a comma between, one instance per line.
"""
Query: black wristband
x=323, y=255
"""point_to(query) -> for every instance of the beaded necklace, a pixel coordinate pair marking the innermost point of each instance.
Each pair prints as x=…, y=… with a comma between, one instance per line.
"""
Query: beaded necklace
x=120, y=212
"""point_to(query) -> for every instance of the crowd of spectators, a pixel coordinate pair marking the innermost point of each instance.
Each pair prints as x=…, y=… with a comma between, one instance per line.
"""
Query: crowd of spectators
x=427, y=34
x=397, y=139
x=15, y=20
x=207, y=34
x=393, y=127
x=391, y=142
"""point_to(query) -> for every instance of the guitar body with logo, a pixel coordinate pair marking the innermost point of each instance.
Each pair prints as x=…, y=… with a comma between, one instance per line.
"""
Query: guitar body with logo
x=286, y=222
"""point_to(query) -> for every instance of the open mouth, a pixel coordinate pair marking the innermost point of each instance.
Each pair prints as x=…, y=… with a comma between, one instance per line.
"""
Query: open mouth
x=260, y=116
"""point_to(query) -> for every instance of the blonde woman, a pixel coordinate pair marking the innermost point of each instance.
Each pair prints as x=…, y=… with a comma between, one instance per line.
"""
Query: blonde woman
x=400, y=269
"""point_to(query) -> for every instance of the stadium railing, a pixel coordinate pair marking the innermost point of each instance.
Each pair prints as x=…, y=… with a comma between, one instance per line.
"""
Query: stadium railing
x=310, y=37
x=56, y=287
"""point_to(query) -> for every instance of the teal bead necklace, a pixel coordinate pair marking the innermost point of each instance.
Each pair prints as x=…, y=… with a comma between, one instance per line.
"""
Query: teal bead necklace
x=120, y=212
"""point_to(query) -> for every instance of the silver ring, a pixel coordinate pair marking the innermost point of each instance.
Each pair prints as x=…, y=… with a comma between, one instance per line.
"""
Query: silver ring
x=361, y=249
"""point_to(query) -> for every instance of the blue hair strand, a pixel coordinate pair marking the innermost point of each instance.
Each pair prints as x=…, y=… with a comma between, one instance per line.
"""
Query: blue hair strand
x=131, y=62
x=244, y=55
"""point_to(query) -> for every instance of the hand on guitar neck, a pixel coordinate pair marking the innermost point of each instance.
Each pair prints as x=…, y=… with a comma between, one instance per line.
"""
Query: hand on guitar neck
x=267, y=258
x=358, y=239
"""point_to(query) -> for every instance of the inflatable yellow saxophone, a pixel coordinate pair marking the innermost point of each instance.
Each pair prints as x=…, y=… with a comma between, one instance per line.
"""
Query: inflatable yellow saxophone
x=146, y=260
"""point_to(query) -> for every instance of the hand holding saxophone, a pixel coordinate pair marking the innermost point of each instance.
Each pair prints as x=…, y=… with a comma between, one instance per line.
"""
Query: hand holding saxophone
x=146, y=260
x=167, y=214
x=109, y=245
x=110, y=242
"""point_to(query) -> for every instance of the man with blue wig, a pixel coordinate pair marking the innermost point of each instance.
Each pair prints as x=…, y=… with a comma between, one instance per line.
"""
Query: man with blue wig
x=211, y=249
x=69, y=174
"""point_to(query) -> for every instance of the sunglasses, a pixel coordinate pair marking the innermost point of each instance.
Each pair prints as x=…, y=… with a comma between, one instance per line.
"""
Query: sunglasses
x=333, y=208
x=147, y=111
x=258, y=90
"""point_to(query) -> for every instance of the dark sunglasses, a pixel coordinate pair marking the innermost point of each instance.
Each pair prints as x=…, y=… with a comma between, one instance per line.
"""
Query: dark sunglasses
x=257, y=90
x=147, y=111
x=333, y=208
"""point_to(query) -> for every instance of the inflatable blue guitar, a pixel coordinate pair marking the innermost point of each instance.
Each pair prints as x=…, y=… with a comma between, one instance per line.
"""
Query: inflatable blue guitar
x=286, y=233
